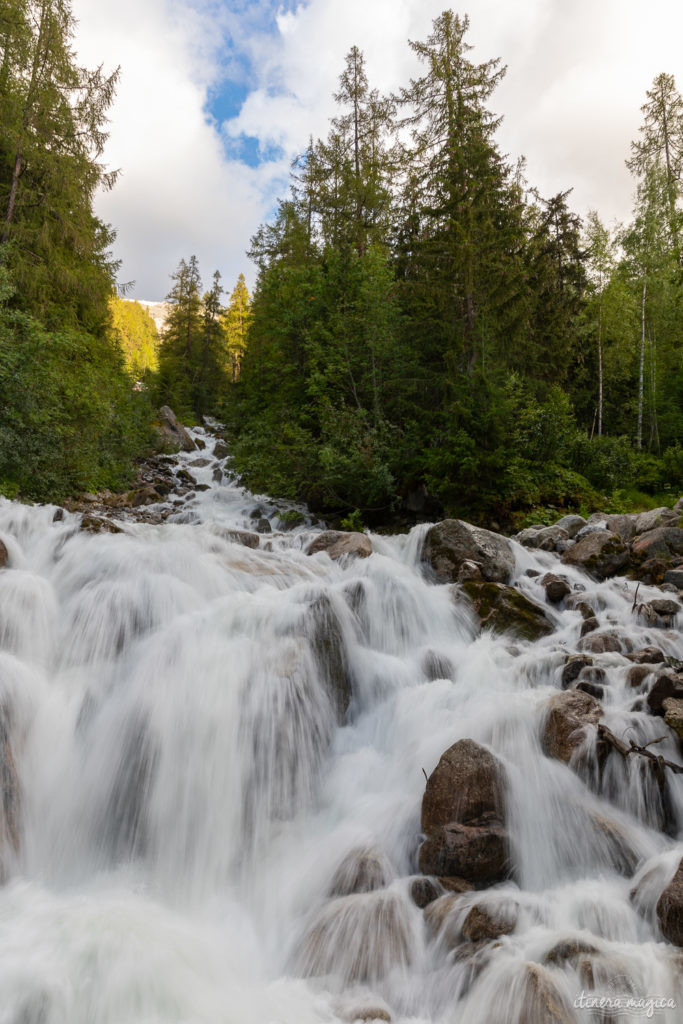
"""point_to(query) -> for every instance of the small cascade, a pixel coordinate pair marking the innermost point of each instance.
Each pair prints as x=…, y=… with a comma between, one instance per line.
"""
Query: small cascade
x=213, y=752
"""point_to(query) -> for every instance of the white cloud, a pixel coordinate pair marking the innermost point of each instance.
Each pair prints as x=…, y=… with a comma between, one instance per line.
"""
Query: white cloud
x=577, y=75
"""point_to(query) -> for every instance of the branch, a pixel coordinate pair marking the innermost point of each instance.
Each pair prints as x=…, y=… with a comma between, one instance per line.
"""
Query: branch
x=619, y=745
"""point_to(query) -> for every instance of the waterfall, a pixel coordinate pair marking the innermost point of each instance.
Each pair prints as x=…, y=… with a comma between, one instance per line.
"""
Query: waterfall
x=213, y=759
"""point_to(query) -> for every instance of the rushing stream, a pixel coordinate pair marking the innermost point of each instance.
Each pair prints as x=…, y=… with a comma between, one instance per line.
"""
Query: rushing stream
x=190, y=803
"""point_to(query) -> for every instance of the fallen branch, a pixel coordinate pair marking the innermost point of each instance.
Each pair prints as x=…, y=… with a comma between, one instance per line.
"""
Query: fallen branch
x=660, y=763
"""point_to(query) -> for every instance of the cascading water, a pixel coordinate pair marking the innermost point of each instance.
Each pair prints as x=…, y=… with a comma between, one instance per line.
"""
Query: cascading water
x=213, y=760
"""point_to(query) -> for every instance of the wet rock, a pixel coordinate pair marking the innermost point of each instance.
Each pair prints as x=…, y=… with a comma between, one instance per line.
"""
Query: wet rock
x=602, y=554
x=10, y=805
x=147, y=495
x=172, y=432
x=665, y=607
x=545, y=539
x=374, y=1009
x=675, y=577
x=263, y=526
x=616, y=844
x=452, y=542
x=98, y=524
x=651, y=571
x=487, y=921
x=438, y=911
x=593, y=689
x=124, y=820
x=646, y=656
x=589, y=626
x=578, y=603
x=664, y=686
x=556, y=588
x=453, y=884
x=220, y=450
x=504, y=610
x=567, y=717
x=571, y=524
x=243, y=537
x=606, y=642
x=424, y=891
x=467, y=783
x=362, y=870
x=638, y=674
x=572, y=668
x=327, y=643
x=623, y=525
x=199, y=463
x=568, y=951
x=336, y=544
x=662, y=542
x=477, y=853
x=200, y=443
x=542, y=1000
x=186, y=477
x=469, y=571
x=437, y=666
x=673, y=714
x=670, y=909
x=217, y=475
x=359, y=938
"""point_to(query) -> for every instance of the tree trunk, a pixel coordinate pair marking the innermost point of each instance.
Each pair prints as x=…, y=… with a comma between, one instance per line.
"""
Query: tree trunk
x=11, y=204
x=641, y=378
x=600, y=369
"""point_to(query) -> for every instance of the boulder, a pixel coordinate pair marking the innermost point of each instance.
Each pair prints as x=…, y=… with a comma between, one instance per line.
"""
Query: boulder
x=263, y=525
x=98, y=524
x=200, y=463
x=556, y=588
x=172, y=431
x=661, y=543
x=220, y=449
x=651, y=571
x=659, y=613
x=670, y=909
x=467, y=783
x=469, y=571
x=567, y=716
x=505, y=610
x=541, y=999
x=664, y=686
x=545, y=539
x=243, y=537
x=362, y=870
x=568, y=951
x=646, y=656
x=615, y=843
x=589, y=626
x=146, y=495
x=573, y=667
x=601, y=554
x=637, y=674
x=609, y=641
x=336, y=544
x=673, y=714
x=593, y=689
x=437, y=666
x=462, y=813
x=424, y=891
x=578, y=603
x=487, y=921
x=327, y=644
x=452, y=542
x=623, y=525
x=477, y=853
x=673, y=576
x=4, y=553
x=571, y=524
x=374, y=1009
x=655, y=518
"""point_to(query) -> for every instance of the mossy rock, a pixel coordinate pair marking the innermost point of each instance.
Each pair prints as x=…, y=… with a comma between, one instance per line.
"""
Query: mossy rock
x=504, y=610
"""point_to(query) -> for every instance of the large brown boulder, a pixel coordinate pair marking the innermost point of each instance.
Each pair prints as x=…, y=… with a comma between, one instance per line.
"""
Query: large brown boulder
x=567, y=716
x=172, y=432
x=452, y=542
x=462, y=816
x=661, y=543
x=601, y=554
x=467, y=783
x=505, y=610
x=670, y=909
x=336, y=543
x=656, y=517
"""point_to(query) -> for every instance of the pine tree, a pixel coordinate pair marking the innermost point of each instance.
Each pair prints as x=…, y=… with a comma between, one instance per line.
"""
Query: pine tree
x=180, y=352
x=236, y=320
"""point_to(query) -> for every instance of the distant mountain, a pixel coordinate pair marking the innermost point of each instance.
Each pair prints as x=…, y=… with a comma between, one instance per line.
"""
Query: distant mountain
x=158, y=311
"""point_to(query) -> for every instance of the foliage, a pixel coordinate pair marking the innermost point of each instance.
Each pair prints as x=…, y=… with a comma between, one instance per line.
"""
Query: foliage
x=135, y=332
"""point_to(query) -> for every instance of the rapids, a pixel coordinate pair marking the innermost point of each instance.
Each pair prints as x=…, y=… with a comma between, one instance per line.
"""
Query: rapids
x=189, y=795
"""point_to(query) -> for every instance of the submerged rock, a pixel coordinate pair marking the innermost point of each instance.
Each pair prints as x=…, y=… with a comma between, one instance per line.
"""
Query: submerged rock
x=601, y=554
x=10, y=805
x=452, y=542
x=505, y=610
x=327, y=643
x=670, y=909
x=478, y=852
x=567, y=716
x=362, y=870
x=337, y=543
x=489, y=920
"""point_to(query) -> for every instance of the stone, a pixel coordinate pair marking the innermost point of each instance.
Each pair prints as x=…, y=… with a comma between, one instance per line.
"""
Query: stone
x=556, y=588
x=578, y=603
x=438, y=911
x=449, y=543
x=660, y=543
x=98, y=524
x=572, y=668
x=675, y=577
x=646, y=655
x=571, y=524
x=424, y=891
x=637, y=674
x=610, y=641
x=220, y=449
x=602, y=554
x=670, y=909
x=623, y=525
x=589, y=626
x=10, y=794
x=172, y=432
x=469, y=571
x=477, y=853
x=505, y=610
x=217, y=475
x=593, y=689
x=366, y=1012
x=146, y=495
x=665, y=607
x=243, y=537
x=4, y=553
x=327, y=644
x=437, y=666
x=362, y=870
x=263, y=526
x=337, y=543
x=616, y=843
x=655, y=518
x=199, y=463
x=467, y=783
x=568, y=714
x=548, y=538
x=568, y=951
x=541, y=999
x=489, y=920
x=664, y=686
x=673, y=714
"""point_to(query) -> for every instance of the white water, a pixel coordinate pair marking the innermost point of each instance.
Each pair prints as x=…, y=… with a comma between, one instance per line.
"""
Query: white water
x=188, y=796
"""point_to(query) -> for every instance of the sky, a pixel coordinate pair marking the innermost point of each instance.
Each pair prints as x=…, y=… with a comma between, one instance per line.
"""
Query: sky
x=216, y=97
